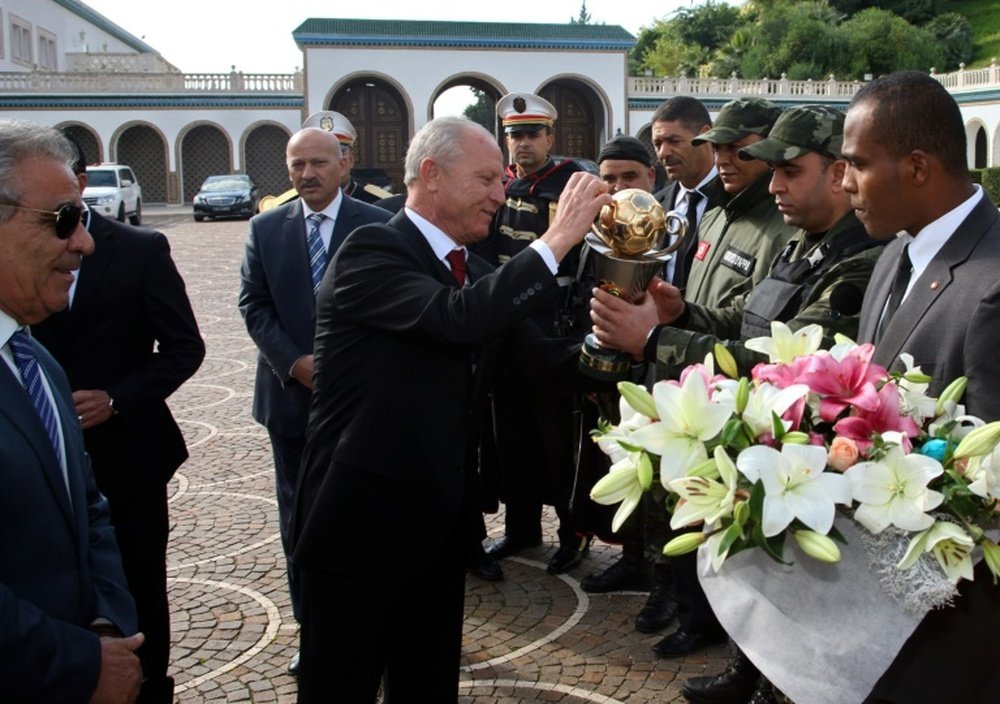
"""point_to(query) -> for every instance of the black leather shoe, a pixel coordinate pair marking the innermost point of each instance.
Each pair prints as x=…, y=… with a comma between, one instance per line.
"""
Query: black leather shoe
x=621, y=576
x=658, y=612
x=764, y=694
x=506, y=546
x=734, y=685
x=485, y=567
x=681, y=643
x=568, y=556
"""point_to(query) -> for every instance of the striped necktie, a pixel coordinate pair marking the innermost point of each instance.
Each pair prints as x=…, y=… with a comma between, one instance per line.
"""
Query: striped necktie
x=31, y=377
x=317, y=252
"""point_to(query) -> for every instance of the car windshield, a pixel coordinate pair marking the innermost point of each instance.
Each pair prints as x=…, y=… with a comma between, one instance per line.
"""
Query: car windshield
x=101, y=179
x=225, y=184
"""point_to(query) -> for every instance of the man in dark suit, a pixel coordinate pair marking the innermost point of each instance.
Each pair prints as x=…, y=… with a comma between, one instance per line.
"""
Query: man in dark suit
x=401, y=353
x=904, y=139
x=67, y=621
x=127, y=341
x=279, y=279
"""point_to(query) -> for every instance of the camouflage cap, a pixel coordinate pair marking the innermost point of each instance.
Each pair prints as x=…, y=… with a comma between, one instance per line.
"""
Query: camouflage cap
x=738, y=118
x=809, y=128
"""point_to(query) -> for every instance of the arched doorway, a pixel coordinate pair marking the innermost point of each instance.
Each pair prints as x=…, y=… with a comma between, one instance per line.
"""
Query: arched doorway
x=142, y=148
x=264, y=158
x=204, y=153
x=380, y=118
x=979, y=160
x=581, y=118
x=87, y=139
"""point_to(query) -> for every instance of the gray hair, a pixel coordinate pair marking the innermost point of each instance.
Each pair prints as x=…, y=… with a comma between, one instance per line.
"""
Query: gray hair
x=20, y=139
x=440, y=140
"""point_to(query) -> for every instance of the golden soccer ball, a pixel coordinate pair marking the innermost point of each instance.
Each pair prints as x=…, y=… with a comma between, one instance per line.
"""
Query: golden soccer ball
x=632, y=224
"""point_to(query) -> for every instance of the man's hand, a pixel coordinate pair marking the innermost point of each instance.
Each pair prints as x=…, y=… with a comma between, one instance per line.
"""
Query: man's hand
x=668, y=299
x=579, y=204
x=93, y=407
x=302, y=371
x=121, y=673
x=622, y=325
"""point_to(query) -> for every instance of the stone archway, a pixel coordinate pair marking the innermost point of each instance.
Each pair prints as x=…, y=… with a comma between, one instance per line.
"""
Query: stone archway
x=143, y=148
x=580, y=126
x=204, y=152
x=380, y=117
x=979, y=159
x=264, y=158
x=89, y=143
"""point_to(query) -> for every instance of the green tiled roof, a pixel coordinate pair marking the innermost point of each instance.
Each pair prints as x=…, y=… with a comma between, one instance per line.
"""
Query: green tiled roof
x=96, y=18
x=354, y=32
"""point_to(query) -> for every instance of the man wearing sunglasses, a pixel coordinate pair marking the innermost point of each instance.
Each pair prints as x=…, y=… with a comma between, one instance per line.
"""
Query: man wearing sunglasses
x=67, y=621
x=127, y=340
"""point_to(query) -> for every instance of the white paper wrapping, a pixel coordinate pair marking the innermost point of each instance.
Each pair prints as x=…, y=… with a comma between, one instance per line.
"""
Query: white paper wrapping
x=822, y=633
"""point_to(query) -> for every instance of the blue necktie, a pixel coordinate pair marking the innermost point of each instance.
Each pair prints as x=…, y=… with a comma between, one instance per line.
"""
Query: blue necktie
x=317, y=252
x=31, y=376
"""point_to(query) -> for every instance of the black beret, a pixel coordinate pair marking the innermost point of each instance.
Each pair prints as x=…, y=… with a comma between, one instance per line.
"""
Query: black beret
x=626, y=148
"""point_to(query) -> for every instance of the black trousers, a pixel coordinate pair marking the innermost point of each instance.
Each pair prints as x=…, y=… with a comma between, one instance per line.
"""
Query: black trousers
x=141, y=527
x=287, y=451
x=357, y=627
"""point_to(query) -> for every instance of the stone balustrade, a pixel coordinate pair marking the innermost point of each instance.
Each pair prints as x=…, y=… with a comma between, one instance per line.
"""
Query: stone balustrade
x=127, y=82
x=970, y=79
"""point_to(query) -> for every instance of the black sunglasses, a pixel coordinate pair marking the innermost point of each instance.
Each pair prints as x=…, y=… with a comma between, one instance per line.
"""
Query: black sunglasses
x=67, y=218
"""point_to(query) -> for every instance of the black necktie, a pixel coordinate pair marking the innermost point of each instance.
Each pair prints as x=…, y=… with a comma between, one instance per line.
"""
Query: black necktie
x=685, y=254
x=899, y=285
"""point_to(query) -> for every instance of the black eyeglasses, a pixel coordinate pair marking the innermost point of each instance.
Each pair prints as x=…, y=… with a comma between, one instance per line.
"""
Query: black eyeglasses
x=67, y=217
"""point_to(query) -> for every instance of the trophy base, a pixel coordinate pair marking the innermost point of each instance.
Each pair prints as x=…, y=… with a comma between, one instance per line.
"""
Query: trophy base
x=598, y=362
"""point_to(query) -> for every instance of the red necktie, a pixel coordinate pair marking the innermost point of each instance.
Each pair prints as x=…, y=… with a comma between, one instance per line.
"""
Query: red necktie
x=456, y=258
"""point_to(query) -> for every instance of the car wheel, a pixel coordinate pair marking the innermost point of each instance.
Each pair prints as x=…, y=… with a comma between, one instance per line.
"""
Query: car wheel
x=121, y=212
x=136, y=217
x=198, y=218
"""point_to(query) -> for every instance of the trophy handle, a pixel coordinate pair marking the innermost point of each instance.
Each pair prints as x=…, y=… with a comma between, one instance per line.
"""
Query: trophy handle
x=676, y=225
x=605, y=219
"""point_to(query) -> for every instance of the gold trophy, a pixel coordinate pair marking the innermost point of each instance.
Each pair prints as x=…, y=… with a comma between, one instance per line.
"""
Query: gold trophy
x=629, y=244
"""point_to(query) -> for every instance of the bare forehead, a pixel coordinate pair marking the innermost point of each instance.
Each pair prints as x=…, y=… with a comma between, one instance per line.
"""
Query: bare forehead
x=312, y=142
x=667, y=129
x=617, y=166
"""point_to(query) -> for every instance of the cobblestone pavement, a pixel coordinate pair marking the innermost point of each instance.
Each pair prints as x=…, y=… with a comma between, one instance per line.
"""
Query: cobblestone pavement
x=530, y=638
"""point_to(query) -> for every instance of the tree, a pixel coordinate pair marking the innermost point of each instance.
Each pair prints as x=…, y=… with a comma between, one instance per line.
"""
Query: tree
x=881, y=42
x=483, y=111
x=583, y=17
x=708, y=26
x=954, y=32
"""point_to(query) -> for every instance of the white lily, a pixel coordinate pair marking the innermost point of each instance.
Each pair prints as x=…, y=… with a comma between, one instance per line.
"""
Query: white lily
x=951, y=545
x=712, y=545
x=631, y=420
x=893, y=490
x=983, y=474
x=623, y=483
x=766, y=399
x=913, y=399
x=795, y=486
x=705, y=499
x=688, y=419
x=784, y=345
x=843, y=345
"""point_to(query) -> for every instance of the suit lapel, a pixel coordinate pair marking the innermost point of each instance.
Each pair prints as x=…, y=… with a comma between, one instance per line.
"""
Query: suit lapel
x=346, y=222
x=292, y=248
x=95, y=266
x=431, y=264
x=934, y=281
x=24, y=419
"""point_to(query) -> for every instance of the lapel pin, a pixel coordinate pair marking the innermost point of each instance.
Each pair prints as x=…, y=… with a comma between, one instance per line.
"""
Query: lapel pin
x=934, y=285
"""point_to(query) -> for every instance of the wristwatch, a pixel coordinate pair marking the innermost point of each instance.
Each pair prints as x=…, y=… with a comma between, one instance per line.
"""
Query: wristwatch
x=111, y=405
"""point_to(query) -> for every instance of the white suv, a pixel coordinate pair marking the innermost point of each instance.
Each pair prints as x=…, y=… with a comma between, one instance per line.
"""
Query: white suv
x=113, y=191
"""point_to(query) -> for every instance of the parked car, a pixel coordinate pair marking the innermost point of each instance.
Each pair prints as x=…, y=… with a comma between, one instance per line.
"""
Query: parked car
x=113, y=190
x=226, y=196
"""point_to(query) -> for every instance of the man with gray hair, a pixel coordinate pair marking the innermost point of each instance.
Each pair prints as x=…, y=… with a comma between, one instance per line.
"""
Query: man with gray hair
x=67, y=621
x=407, y=329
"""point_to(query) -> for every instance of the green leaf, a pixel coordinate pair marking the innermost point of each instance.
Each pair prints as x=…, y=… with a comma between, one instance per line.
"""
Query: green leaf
x=732, y=534
x=757, y=501
x=774, y=547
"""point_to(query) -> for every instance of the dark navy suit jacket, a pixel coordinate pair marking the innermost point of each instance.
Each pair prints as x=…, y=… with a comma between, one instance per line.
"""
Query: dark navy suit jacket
x=59, y=563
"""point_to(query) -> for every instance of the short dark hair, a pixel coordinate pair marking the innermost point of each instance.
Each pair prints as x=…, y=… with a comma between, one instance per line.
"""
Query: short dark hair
x=690, y=112
x=911, y=110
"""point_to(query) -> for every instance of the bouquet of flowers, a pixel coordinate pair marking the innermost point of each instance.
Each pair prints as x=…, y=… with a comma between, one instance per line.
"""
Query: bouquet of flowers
x=809, y=434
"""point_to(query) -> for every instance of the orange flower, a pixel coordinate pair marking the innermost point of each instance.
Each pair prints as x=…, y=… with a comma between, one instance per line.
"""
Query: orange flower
x=843, y=453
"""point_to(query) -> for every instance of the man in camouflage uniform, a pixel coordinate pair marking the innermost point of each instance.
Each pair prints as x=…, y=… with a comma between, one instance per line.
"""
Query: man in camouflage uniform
x=818, y=277
x=533, y=427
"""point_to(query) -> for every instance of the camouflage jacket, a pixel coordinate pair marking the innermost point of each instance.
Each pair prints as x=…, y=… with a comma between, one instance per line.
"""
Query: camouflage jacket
x=736, y=244
x=850, y=266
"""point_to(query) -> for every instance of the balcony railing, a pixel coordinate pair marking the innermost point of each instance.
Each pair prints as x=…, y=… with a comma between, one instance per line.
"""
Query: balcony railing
x=88, y=82
x=650, y=87
x=967, y=80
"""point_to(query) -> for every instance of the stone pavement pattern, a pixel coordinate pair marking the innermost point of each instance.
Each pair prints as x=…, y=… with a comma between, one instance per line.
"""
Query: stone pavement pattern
x=530, y=638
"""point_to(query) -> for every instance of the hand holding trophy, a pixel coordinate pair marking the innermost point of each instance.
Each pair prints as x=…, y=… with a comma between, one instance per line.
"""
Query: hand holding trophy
x=629, y=243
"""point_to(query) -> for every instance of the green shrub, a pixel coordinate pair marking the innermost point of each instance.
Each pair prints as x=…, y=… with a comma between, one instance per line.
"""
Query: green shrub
x=976, y=175
x=991, y=183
